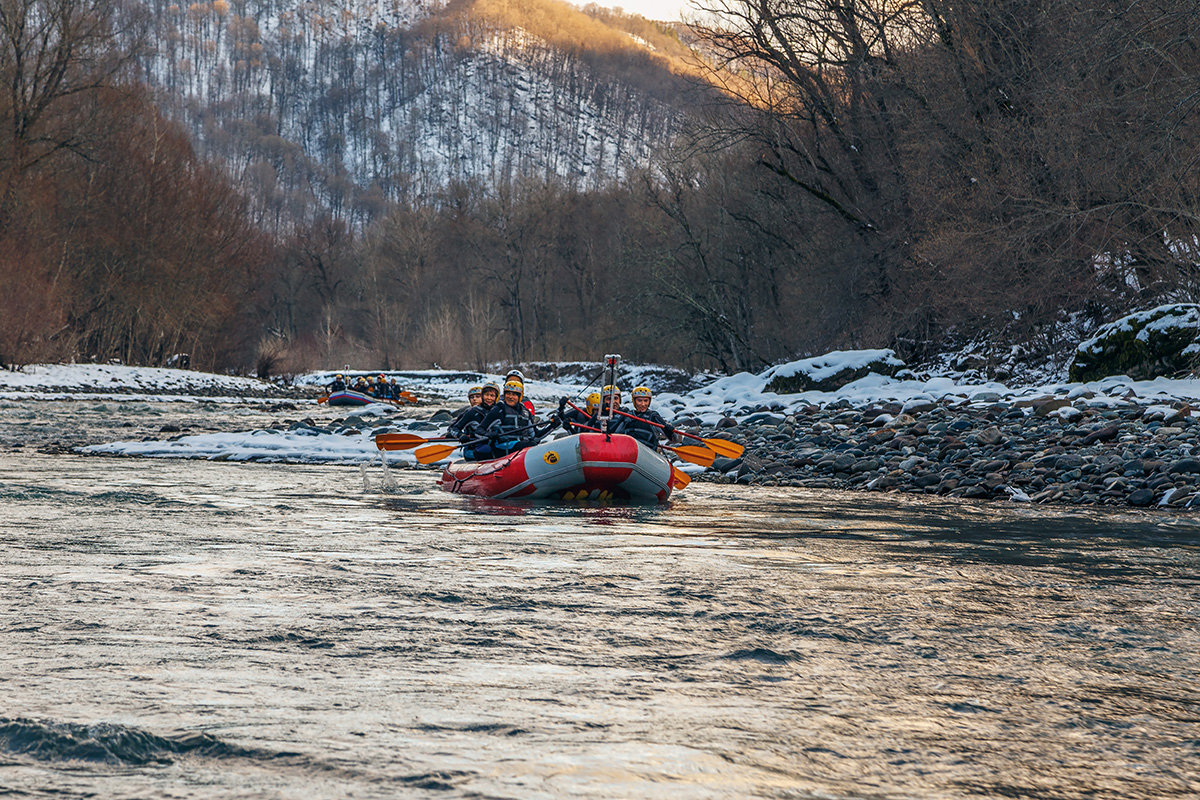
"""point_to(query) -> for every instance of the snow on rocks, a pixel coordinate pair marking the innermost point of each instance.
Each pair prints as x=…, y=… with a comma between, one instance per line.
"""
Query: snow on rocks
x=119, y=382
x=831, y=371
x=342, y=441
x=1160, y=341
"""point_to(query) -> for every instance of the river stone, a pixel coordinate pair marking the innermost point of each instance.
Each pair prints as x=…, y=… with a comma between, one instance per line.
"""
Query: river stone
x=1044, y=408
x=751, y=465
x=727, y=422
x=764, y=417
x=1140, y=497
x=991, y=436
x=441, y=415
x=721, y=464
x=1105, y=434
x=1184, y=465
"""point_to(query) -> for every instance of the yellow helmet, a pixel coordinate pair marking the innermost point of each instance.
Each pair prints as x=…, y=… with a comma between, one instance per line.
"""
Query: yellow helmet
x=490, y=387
x=474, y=391
x=610, y=389
x=640, y=391
x=593, y=401
x=514, y=386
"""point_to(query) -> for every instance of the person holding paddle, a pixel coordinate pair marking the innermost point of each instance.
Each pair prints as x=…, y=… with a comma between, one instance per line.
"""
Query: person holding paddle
x=466, y=426
x=576, y=416
x=509, y=426
x=643, y=423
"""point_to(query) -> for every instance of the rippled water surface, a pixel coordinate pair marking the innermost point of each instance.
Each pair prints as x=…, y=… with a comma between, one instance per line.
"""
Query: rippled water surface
x=196, y=629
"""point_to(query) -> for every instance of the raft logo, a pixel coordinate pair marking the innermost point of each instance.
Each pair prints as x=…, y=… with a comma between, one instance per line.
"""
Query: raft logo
x=551, y=457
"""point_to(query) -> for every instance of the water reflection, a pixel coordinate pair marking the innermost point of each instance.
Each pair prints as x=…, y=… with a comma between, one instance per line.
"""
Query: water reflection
x=334, y=638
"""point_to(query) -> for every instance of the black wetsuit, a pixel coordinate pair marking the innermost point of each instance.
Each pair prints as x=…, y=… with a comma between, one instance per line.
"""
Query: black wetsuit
x=508, y=428
x=637, y=425
x=467, y=425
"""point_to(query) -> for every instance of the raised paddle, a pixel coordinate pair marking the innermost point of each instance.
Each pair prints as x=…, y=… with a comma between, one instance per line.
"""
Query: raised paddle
x=406, y=441
x=722, y=447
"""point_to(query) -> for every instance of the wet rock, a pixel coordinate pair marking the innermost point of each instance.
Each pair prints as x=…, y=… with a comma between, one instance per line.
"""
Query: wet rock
x=1184, y=466
x=1105, y=434
x=844, y=462
x=169, y=428
x=726, y=464
x=991, y=436
x=1044, y=408
x=727, y=422
x=764, y=418
x=441, y=415
x=1141, y=497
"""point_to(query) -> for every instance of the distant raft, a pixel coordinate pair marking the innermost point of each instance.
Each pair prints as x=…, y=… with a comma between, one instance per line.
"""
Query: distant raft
x=346, y=397
x=586, y=466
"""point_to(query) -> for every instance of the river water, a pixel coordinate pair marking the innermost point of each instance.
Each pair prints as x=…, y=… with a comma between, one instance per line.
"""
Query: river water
x=199, y=629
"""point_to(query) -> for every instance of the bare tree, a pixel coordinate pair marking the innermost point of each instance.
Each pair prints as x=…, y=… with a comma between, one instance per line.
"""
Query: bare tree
x=50, y=52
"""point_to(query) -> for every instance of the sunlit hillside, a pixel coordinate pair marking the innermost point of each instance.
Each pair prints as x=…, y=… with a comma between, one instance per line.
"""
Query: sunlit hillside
x=353, y=106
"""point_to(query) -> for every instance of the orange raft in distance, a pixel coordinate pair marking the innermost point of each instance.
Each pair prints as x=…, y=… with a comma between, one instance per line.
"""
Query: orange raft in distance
x=585, y=466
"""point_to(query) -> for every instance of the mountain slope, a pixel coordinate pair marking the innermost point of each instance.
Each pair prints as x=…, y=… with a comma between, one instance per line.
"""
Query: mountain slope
x=385, y=100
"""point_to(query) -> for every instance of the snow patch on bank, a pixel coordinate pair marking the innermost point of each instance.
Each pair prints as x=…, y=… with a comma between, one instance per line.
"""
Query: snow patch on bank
x=116, y=381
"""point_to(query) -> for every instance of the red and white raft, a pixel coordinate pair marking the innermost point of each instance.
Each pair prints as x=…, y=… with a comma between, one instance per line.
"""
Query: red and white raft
x=586, y=466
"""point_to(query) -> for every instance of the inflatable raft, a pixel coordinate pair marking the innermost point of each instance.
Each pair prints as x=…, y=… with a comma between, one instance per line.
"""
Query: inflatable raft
x=586, y=466
x=347, y=397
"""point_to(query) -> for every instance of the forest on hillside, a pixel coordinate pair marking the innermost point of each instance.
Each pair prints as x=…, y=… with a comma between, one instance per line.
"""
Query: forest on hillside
x=878, y=173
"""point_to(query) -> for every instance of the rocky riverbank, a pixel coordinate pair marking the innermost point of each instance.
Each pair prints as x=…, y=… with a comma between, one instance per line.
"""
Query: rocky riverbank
x=1061, y=450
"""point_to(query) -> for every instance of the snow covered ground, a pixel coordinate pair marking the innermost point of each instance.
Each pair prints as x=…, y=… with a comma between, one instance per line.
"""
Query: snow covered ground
x=119, y=382
x=736, y=396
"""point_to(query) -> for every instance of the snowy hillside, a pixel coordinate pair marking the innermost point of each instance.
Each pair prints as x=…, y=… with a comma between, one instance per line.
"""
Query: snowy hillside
x=363, y=101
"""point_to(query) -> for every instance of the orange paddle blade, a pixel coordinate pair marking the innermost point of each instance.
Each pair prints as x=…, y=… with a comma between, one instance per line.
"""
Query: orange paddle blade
x=435, y=452
x=724, y=447
x=399, y=441
x=323, y=399
x=695, y=455
x=679, y=477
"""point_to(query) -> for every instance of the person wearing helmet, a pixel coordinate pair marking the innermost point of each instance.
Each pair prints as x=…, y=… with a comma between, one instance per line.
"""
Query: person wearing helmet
x=466, y=426
x=609, y=393
x=474, y=395
x=509, y=426
x=338, y=384
x=573, y=417
x=641, y=422
x=382, y=390
x=517, y=375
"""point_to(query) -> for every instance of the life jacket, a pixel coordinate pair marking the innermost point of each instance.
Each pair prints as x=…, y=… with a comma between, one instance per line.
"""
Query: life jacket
x=637, y=425
x=464, y=427
x=504, y=418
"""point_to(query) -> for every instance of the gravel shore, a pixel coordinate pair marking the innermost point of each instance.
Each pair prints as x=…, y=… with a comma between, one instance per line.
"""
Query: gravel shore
x=1058, y=450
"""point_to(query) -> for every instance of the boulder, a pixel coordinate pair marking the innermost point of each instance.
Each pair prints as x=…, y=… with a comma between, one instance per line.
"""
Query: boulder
x=1163, y=341
x=831, y=371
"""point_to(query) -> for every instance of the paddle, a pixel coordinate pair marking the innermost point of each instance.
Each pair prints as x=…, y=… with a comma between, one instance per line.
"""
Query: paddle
x=436, y=452
x=681, y=478
x=406, y=441
x=693, y=454
x=686, y=452
x=428, y=455
x=722, y=447
x=323, y=399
